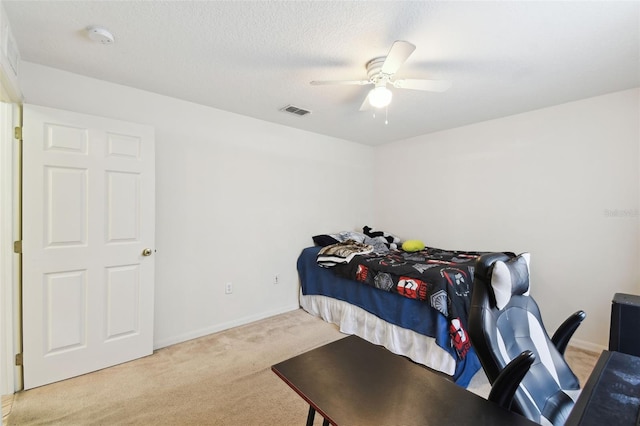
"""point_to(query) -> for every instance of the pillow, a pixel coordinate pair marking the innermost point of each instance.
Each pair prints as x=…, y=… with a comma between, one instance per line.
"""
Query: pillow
x=324, y=240
x=413, y=245
x=510, y=278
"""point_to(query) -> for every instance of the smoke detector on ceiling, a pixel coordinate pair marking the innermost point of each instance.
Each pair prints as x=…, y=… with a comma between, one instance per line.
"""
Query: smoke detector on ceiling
x=100, y=35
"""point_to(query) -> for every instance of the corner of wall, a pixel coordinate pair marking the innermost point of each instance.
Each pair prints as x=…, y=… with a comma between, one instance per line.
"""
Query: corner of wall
x=9, y=62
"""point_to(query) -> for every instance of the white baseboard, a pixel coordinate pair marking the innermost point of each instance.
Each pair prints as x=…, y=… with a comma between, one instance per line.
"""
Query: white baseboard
x=587, y=346
x=222, y=326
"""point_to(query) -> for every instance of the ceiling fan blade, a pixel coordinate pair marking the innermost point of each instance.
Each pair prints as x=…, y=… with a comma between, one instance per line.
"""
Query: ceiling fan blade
x=398, y=54
x=366, y=105
x=428, y=85
x=343, y=82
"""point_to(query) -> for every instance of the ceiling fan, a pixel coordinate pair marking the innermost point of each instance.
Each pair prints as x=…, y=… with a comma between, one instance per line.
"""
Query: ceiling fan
x=381, y=72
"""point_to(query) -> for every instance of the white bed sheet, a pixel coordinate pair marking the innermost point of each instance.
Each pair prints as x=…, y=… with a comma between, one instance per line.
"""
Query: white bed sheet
x=352, y=319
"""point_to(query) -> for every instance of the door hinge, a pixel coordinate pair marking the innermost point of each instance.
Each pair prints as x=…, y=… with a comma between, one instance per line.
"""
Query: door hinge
x=19, y=359
x=17, y=247
x=17, y=133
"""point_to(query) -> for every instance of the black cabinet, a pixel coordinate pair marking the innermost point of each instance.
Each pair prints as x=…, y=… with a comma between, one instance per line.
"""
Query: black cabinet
x=624, y=334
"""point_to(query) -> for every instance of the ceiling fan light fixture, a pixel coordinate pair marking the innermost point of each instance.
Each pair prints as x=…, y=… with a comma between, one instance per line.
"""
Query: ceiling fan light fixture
x=380, y=97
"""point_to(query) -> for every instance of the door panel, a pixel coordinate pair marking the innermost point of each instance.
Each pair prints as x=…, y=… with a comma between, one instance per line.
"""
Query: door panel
x=123, y=195
x=66, y=206
x=65, y=307
x=123, y=289
x=88, y=209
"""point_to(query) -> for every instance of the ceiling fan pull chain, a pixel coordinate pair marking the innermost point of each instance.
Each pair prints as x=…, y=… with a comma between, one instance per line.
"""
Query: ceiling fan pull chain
x=386, y=116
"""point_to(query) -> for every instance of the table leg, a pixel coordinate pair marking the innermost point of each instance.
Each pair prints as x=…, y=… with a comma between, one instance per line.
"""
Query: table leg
x=311, y=416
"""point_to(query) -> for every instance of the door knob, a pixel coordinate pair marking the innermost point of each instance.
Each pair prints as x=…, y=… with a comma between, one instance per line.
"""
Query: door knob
x=147, y=252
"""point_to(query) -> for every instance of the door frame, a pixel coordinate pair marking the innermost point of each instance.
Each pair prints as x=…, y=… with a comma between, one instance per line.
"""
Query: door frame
x=10, y=210
x=10, y=231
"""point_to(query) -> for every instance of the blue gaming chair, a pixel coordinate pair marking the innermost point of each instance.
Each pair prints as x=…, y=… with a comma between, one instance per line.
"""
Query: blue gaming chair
x=526, y=368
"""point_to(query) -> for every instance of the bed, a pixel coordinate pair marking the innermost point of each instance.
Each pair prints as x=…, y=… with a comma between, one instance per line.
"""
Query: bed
x=402, y=323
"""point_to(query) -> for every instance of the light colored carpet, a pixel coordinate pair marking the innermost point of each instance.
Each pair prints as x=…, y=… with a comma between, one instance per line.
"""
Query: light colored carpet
x=221, y=379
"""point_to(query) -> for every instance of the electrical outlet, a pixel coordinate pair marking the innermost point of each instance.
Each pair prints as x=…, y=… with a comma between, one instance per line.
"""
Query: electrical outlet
x=228, y=288
x=276, y=278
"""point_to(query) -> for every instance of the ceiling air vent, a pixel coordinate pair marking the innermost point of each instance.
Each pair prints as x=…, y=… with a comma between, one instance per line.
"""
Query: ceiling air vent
x=295, y=110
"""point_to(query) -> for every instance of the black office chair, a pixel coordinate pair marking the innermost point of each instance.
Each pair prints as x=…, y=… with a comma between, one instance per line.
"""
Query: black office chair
x=527, y=370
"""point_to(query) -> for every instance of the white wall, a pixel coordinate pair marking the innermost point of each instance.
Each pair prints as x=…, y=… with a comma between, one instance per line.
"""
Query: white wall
x=560, y=182
x=237, y=199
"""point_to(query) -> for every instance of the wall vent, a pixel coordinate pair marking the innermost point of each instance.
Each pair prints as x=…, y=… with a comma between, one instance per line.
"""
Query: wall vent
x=291, y=109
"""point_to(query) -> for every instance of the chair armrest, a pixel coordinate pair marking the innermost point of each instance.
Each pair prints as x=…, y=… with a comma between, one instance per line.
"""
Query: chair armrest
x=563, y=334
x=509, y=379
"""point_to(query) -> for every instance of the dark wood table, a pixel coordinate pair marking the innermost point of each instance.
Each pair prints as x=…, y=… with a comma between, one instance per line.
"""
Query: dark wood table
x=611, y=396
x=354, y=382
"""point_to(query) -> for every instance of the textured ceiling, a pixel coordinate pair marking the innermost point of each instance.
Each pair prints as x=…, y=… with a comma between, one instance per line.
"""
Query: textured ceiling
x=255, y=57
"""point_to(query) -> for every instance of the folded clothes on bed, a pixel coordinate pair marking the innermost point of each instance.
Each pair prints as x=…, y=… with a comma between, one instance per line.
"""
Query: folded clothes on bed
x=341, y=252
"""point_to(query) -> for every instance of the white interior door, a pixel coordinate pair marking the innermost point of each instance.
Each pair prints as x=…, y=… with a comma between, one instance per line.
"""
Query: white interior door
x=88, y=210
